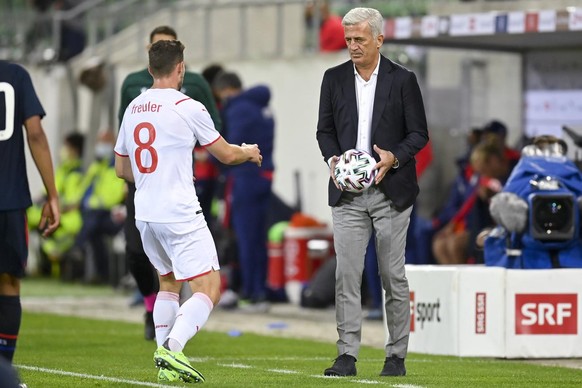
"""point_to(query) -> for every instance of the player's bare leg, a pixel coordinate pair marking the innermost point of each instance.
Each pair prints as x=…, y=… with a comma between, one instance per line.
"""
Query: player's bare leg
x=182, y=324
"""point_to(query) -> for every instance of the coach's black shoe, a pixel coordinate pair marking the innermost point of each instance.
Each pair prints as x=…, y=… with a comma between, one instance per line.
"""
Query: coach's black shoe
x=393, y=366
x=149, y=327
x=344, y=365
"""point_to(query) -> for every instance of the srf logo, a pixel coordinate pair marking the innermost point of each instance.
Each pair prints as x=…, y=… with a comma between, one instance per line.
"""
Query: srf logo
x=546, y=313
x=412, y=315
x=480, y=313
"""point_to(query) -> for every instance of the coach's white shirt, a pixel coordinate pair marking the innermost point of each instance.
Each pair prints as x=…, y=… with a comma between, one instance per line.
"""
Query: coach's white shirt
x=365, y=92
x=159, y=130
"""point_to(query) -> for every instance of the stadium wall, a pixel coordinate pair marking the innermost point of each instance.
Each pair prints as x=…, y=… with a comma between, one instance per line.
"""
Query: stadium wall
x=477, y=311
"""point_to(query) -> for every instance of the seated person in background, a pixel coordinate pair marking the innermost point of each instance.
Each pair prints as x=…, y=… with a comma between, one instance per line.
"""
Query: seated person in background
x=450, y=244
x=491, y=161
x=459, y=222
x=104, y=192
x=68, y=178
x=448, y=227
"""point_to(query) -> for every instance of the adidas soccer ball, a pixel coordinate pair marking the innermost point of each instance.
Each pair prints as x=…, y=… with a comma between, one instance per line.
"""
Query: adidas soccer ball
x=354, y=170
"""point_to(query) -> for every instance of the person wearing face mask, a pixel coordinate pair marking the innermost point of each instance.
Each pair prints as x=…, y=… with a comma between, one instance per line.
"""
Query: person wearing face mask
x=103, y=192
x=68, y=178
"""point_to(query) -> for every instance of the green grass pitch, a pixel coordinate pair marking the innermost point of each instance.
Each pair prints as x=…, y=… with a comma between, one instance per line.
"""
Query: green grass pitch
x=58, y=351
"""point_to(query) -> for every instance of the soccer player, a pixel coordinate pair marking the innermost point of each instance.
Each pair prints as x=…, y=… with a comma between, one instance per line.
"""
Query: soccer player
x=19, y=106
x=154, y=149
x=195, y=87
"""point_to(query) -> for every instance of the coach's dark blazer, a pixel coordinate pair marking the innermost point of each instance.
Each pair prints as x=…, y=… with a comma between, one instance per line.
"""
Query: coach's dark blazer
x=398, y=124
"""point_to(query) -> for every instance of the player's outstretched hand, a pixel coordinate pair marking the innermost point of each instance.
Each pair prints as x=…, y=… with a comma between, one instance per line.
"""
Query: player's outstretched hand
x=254, y=153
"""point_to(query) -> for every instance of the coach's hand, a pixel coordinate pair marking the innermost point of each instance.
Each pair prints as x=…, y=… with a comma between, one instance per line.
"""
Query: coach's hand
x=332, y=163
x=386, y=162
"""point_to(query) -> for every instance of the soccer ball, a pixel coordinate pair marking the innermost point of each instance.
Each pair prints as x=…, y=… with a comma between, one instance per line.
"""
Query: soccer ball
x=354, y=170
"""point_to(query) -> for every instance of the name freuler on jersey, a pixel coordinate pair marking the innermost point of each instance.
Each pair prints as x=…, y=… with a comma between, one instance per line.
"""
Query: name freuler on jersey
x=147, y=107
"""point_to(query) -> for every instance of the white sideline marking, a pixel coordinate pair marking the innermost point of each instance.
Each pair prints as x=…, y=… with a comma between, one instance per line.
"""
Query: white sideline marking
x=239, y=366
x=208, y=359
x=357, y=381
x=294, y=372
x=86, y=376
x=284, y=371
x=407, y=386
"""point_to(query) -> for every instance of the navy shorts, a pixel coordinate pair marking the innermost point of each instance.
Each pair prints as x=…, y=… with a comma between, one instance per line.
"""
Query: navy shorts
x=13, y=242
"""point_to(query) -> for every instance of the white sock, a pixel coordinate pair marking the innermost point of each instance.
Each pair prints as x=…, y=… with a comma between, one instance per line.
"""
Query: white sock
x=192, y=315
x=165, y=311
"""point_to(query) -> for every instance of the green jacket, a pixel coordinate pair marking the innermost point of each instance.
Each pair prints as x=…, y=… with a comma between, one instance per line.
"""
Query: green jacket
x=68, y=178
x=194, y=86
x=103, y=189
x=68, y=181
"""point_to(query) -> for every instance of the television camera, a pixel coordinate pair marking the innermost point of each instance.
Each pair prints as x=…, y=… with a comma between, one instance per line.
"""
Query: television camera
x=538, y=210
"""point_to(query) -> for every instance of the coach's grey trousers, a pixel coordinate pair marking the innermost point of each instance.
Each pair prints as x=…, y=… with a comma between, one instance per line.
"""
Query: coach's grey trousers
x=354, y=219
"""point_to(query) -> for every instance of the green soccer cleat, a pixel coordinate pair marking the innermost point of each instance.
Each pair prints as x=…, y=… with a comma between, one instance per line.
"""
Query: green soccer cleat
x=176, y=361
x=168, y=375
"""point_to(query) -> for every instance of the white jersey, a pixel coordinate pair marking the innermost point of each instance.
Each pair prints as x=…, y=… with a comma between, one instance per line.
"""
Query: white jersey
x=159, y=130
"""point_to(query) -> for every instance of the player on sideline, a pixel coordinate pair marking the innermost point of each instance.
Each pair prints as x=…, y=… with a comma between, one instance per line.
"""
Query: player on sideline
x=19, y=106
x=196, y=87
x=154, y=149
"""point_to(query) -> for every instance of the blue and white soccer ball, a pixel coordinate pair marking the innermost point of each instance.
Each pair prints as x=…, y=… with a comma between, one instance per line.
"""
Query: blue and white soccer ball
x=354, y=170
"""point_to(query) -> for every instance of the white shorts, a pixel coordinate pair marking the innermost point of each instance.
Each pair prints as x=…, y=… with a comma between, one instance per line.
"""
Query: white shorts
x=185, y=248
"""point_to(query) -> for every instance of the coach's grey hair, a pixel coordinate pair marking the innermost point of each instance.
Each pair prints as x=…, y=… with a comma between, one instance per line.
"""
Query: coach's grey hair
x=370, y=15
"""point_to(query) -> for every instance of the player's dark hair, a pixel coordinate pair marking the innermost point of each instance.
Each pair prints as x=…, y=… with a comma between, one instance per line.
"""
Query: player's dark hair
x=226, y=80
x=164, y=30
x=164, y=55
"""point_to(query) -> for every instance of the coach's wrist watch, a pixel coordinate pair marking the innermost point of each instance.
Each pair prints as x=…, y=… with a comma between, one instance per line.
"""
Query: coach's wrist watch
x=396, y=163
